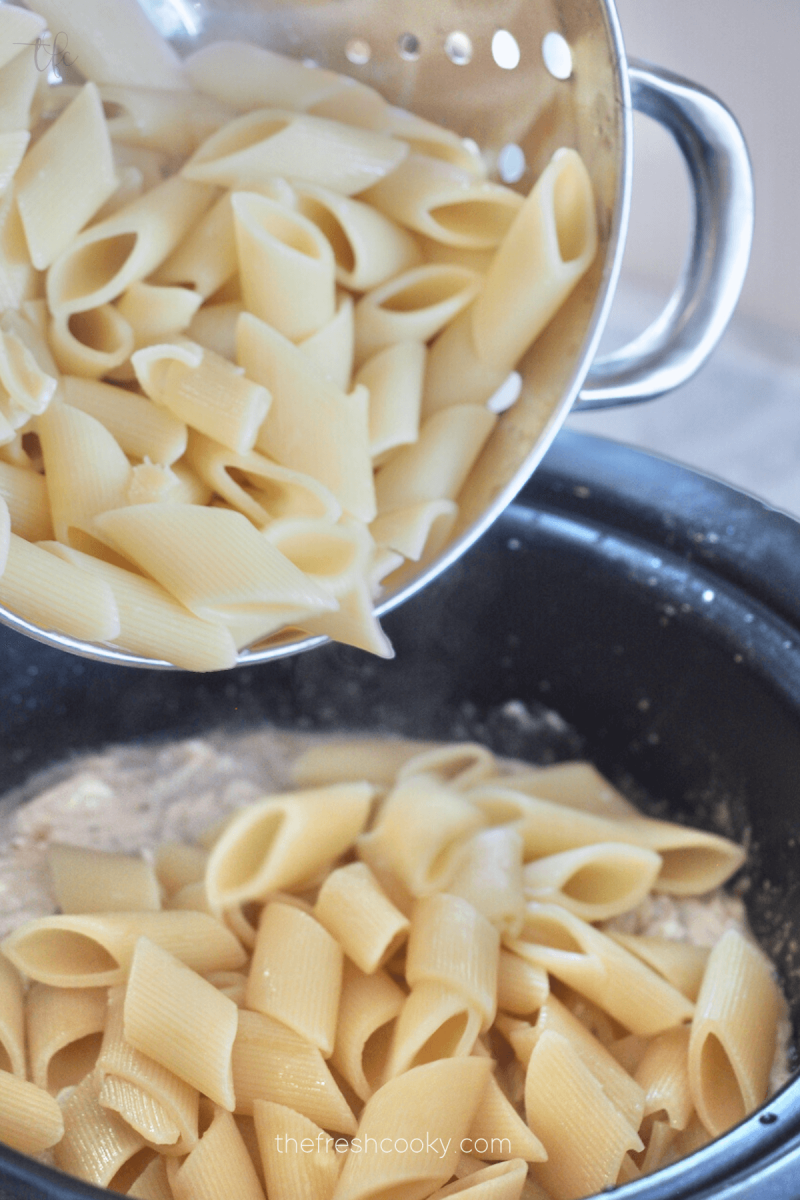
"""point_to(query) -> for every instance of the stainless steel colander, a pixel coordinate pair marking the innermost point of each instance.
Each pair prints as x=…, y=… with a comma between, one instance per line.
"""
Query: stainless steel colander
x=521, y=78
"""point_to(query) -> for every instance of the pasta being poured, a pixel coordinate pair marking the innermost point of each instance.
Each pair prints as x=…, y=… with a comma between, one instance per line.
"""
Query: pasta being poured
x=251, y=317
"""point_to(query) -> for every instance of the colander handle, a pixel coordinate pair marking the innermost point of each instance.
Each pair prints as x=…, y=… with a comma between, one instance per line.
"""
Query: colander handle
x=679, y=341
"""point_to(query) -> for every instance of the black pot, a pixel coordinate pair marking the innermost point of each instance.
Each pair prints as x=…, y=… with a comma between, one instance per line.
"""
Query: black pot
x=656, y=611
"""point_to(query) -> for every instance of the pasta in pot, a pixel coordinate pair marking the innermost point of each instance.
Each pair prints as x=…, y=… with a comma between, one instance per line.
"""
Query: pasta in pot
x=290, y=297
x=393, y=1022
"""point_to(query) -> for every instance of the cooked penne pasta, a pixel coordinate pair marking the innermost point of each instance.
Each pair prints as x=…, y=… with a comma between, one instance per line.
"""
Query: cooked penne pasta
x=411, y=307
x=67, y=175
x=522, y=988
x=354, y=909
x=681, y=963
x=175, y=121
x=502, y=1181
x=217, y=1167
x=576, y=784
x=97, y=1143
x=498, y=1131
x=294, y=836
x=294, y=1172
x=394, y=376
x=97, y=950
x=155, y=313
x=434, y=141
x=251, y=149
x=584, y=1134
x=442, y=1095
x=214, y=327
x=176, y=1017
x=247, y=77
x=152, y=1183
x=732, y=1041
x=96, y=881
x=445, y=202
x=594, y=882
x=286, y=266
x=435, y=1022
x=451, y=943
x=177, y=864
x=312, y=426
x=663, y=1073
x=330, y=349
x=272, y=1062
x=91, y=343
x=296, y=974
x=142, y=429
x=417, y=530
x=369, y=1005
x=18, y=27
x=206, y=257
x=30, y=1119
x=338, y=760
x=12, y=1022
x=489, y=876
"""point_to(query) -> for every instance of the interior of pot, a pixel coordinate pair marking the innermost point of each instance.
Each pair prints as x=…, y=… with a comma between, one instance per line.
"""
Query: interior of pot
x=441, y=61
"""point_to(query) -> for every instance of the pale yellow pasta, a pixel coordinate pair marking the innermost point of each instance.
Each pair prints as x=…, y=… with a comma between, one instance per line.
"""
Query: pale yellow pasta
x=454, y=374
x=369, y=248
x=17, y=274
x=97, y=950
x=425, y=137
x=441, y=1095
x=368, y=1007
x=450, y=942
x=331, y=347
x=354, y=622
x=282, y=841
x=585, y=1135
x=18, y=28
x=692, y=860
x=91, y=343
x=337, y=760
x=625, y=1093
x=214, y=326
x=160, y=119
x=354, y=909
x=157, y=313
x=413, y=306
x=97, y=1143
x=310, y=1168
x=286, y=266
x=594, y=965
x=177, y=863
x=211, y=394
x=154, y=1092
x=152, y=1183
x=436, y=252
x=436, y=1022
x=30, y=388
x=99, y=881
x=576, y=784
x=594, y=882
x=732, y=1042
x=335, y=556
x=296, y=974
x=663, y=1073
x=681, y=963
x=354, y=103
x=104, y=260
x=118, y=45
x=271, y=141
x=272, y=1062
x=420, y=833
x=218, y=1167
x=183, y=1022
x=231, y=983
x=247, y=77
x=56, y=595
x=30, y=1119
x=266, y=491
x=501, y=1181
x=659, y=1139
x=206, y=257
x=67, y=175
x=550, y=245
x=394, y=377
x=25, y=493
x=142, y=429
x=151, y=622
x=64, y=1029
x=210, y=559
x=489, y=876
x=312, y=426
x=444, y=202
x=85, y=469
x=12, y=1022
x=417, y=530
x=459, y=764
x=12, y=147
x=498, y=1132
x=436, y=466
x=522, y=988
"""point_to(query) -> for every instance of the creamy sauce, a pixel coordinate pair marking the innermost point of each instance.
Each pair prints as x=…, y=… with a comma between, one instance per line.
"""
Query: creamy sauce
x=132, y=798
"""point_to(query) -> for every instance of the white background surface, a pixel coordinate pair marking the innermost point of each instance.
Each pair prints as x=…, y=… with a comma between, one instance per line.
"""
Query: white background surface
x=739, y=419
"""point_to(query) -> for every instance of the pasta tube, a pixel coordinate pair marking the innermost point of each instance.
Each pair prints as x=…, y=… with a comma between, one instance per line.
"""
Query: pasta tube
x=98, y=881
